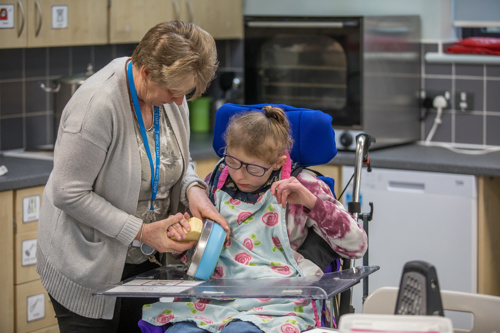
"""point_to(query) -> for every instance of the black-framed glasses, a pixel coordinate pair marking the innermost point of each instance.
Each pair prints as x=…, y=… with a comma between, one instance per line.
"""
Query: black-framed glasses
x=253, y=169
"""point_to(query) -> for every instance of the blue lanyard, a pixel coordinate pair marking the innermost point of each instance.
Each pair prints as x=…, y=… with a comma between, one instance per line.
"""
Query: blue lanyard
x=155, y=175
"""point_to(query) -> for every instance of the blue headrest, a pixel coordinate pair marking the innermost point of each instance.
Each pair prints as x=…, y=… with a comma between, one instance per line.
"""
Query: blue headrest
x=312, y=132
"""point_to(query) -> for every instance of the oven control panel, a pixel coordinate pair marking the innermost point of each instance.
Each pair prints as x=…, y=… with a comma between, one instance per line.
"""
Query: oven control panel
x=346, y=139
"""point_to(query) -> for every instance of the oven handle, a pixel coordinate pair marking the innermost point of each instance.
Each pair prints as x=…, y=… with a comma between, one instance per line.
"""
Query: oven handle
x=274, y=24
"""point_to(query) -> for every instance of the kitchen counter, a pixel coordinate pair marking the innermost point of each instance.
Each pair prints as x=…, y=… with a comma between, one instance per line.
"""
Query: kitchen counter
x=24, y=172
x=27, y=172
x=434, y=159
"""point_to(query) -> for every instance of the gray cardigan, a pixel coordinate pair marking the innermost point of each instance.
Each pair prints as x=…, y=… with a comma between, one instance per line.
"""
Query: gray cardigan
x=87, y=217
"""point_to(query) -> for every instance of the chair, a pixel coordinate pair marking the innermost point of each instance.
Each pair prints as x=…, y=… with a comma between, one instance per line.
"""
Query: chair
x=314, y=144
x=484, y=308
x=312, y=132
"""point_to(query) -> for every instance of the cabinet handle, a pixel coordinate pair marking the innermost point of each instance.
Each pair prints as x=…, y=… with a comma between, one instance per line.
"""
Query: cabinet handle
x=189, y=7
x=175, y=4
x=281, y=24
x=40, y=16
x=22, y=22
x=400, y=186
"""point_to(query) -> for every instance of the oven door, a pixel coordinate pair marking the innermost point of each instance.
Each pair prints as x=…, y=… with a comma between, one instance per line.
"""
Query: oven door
x=306, y=62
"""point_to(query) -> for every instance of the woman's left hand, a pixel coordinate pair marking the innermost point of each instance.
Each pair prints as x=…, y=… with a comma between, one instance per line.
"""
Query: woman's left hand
x=201, y=207
x=292, y=191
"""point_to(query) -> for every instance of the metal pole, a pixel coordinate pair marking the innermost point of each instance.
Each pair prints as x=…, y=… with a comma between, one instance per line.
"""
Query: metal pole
x=358, y=167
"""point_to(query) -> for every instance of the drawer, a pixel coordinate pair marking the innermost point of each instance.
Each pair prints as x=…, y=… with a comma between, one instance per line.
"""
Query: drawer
x=34, y=309
x=25, y=258
x=27, y=208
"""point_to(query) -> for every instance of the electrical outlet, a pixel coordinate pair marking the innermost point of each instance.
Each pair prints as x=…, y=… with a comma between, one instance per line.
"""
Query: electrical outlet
x=428, y=98
x=464, y=101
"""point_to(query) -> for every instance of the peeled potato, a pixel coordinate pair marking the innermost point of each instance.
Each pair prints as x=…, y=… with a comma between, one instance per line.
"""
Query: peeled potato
x=196, y=226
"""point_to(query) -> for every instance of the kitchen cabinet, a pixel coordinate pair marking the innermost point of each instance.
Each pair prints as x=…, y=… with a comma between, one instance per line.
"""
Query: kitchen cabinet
x=223, y=19
x=47, y=23
x=205, y=167
x=332, y=171
x=7, y=261
x=488, y=252
x=129, y=20
x=13, y=32
x=24, y=304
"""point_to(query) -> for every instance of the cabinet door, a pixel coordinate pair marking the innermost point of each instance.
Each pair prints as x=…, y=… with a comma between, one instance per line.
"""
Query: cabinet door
x=27, y=202
x=33, y=307
x=488, y=275
x=25, y=258
x=13, y=26
x=129, y=20
x=205, y=167
x=65, y=22
x=7, y=261
x=332, y=171
x=223, y=19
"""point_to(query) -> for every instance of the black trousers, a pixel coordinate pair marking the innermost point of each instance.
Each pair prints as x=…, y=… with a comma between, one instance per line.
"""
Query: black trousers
x=128, y=310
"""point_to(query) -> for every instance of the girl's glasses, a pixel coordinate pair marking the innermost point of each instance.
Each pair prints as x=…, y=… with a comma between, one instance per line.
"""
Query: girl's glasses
x=253, y=169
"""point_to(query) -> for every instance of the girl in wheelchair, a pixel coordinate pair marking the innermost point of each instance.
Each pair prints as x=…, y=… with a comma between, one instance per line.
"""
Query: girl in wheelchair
x=251, y=187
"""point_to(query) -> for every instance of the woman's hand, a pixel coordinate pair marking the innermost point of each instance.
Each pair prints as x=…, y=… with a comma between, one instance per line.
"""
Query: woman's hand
x=292, y=191
x=176, y=230
x=201, y=207
x=155, y=234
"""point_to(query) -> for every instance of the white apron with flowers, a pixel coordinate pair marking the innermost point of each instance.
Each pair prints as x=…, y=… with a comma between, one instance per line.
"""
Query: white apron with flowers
x=258, y=248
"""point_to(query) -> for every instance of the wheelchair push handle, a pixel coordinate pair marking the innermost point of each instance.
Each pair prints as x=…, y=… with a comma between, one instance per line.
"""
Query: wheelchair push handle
x=363, y=143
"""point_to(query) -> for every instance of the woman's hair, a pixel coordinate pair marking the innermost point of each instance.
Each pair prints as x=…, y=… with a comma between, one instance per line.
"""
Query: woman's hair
x=181, y=57
x=264, y=135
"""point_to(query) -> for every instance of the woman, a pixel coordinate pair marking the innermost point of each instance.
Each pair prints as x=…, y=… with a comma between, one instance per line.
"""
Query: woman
x=122, y=172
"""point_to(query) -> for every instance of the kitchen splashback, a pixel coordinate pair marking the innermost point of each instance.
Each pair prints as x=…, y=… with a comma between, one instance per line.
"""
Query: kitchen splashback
x=26, y=109
x=481, y=124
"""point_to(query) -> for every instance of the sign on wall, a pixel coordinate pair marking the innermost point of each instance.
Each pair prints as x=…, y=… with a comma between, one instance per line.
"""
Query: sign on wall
x=6, y=16
x=59, y=17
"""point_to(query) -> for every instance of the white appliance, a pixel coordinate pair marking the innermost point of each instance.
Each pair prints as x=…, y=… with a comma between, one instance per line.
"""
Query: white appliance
x=419, y=216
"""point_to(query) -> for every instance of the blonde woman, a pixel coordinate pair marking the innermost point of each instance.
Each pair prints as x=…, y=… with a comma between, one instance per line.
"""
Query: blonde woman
x=122, y=176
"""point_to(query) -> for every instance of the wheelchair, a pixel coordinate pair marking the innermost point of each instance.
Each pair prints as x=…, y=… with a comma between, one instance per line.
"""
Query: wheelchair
x=314, y=144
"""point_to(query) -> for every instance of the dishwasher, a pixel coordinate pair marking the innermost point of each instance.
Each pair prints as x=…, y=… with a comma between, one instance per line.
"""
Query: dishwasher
x=419, y=215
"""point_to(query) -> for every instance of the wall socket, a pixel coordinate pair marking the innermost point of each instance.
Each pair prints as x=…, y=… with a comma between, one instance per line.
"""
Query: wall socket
x=428, y=98
x=464, y=101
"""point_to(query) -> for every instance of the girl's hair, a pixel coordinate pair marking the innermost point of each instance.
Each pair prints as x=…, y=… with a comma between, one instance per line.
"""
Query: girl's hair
x=181, y=57
x=264, y=135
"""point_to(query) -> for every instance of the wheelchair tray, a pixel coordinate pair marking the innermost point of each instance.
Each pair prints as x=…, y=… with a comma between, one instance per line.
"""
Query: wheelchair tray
x=172, y=281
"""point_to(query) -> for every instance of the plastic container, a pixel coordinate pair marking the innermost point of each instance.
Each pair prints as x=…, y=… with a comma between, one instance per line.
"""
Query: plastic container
x=207, y=251
x=199, y=115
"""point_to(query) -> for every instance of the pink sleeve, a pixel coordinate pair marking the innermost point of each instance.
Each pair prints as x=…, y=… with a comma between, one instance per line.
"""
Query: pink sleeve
x=331, y=220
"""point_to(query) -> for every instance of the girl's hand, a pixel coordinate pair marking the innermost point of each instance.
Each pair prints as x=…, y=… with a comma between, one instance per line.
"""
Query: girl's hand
x=155, y=234
x=201, y=207
x=176, y=230
x=292, y=191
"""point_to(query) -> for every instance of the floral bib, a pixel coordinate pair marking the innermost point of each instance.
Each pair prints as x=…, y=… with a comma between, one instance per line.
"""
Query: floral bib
x=258, y=248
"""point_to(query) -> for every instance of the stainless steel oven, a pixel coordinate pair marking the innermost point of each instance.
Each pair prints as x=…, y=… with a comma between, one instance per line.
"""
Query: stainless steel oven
x=363, y=71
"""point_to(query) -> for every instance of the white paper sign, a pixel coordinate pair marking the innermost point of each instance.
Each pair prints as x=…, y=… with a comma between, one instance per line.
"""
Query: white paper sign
x=159, y=286
x=31, y=208
x=29, y=252
x=59, y=17
x=36, y=307
x=6, y=16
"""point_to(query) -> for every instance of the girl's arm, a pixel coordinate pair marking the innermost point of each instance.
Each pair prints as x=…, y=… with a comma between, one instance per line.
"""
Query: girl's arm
x=327, y=216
